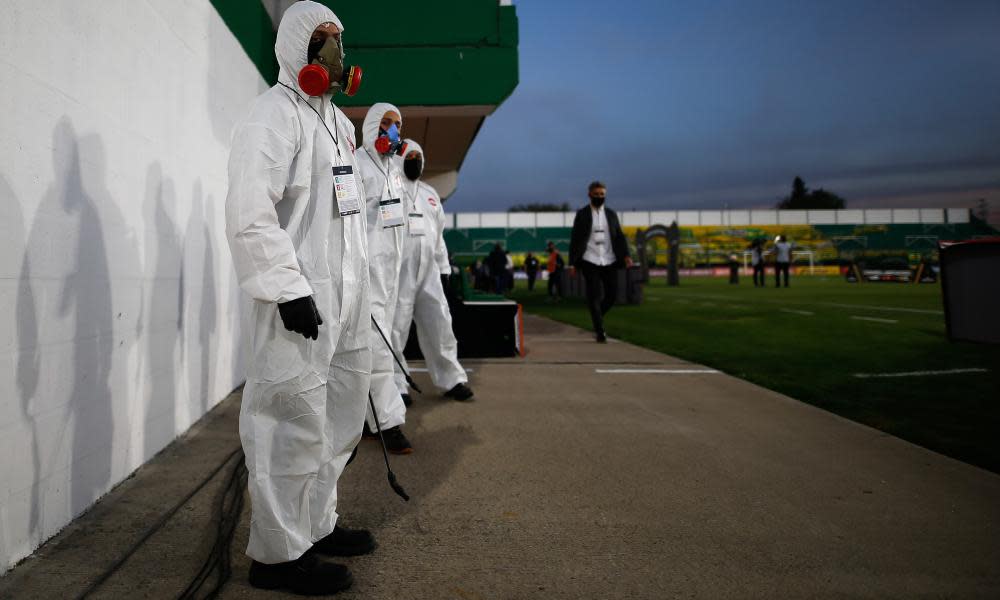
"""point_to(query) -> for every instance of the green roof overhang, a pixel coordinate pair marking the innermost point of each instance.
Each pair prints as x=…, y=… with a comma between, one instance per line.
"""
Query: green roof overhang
x=447, y=64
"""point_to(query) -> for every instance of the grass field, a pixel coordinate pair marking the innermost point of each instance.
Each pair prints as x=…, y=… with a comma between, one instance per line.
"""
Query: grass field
x=810, y=340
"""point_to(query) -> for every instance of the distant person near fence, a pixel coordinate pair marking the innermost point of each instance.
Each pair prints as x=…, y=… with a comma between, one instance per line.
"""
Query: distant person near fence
x=554, y=266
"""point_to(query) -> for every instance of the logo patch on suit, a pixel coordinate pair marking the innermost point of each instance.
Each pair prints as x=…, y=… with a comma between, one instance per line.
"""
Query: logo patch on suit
x=432, y=201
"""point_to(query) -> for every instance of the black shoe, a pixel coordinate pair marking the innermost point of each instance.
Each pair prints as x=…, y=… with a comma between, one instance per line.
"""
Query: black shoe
x=460, y=392
x=307, y=576
x=368, y=434
x=601, y=338
x=346, y=542
x=396, y=442
x=407, y=400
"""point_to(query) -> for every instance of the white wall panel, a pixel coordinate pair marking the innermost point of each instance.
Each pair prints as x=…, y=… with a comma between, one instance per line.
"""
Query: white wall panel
x=958, y=215
x=905, y=215
x=521, y=219
x=711, y=217
x=119, y=309
x=688, y=218
x=466, y=220
x=932, y=215
x=739, y=217
x=632, y=218
x=662, y=217
x=493, y=219
x=850, y=217
x=547, y=219
x=878, y=216
x=792, y=217
x=822, y=217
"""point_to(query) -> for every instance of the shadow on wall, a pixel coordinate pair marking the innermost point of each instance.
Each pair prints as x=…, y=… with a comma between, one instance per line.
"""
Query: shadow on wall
x=200, y=301
x=27, y=369
x=100, y=333
x=163, y=318
x=58, y=303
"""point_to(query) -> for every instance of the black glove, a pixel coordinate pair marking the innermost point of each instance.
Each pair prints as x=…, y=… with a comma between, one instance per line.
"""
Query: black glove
x=301, y=316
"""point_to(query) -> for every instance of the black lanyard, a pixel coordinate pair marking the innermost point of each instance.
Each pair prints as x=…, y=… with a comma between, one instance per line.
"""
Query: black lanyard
x=384, y=172
x=336, y=143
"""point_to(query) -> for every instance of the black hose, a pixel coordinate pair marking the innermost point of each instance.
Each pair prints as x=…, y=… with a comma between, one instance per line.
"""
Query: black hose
x=97, y=583
x=385, y=454
x=409, y=380
x=219, y=560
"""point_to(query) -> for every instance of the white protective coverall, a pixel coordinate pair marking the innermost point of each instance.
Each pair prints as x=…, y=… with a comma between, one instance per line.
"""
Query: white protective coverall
x=304, y=401
x=383, y=179
x=421, y=297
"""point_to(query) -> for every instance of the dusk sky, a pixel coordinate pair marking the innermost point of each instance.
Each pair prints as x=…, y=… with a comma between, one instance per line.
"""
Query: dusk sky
x=707, y=104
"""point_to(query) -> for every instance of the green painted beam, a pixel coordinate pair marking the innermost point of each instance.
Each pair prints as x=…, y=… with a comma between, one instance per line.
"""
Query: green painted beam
x=395, y=23
x=441, y=53
x=253, y=29
x=434, y=76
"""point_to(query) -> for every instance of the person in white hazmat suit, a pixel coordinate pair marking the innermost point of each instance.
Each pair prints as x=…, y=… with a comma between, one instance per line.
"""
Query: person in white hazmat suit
x=296, y=230
x=423, y=276
x=383, y=183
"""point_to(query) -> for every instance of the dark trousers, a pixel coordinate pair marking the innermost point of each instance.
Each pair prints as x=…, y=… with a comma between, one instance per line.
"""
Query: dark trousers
x=554, y=283
x=780, y=268
x=531, y=280
x=601, y=284
x=758, y=275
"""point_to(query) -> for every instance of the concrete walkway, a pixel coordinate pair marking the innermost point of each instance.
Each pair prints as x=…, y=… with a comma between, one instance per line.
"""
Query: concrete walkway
x=561, y=481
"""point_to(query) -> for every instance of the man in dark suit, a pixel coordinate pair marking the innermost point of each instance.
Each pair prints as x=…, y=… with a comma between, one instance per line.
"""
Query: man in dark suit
x=598, y=248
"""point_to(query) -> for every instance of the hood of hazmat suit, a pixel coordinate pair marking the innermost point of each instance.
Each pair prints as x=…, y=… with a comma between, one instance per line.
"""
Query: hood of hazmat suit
x=383, y=181
x=421, y=296
x=291, y=236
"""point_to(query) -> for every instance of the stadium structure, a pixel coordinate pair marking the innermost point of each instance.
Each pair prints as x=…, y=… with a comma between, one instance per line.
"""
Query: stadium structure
x=826, y=241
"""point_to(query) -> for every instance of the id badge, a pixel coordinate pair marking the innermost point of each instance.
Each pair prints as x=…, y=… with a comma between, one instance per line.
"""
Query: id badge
x=392, y=213
x=345, y=189
x=417, y=224
x=600, y=237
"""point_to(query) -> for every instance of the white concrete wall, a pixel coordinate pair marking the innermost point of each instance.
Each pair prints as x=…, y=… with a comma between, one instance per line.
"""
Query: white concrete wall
x=118, y=307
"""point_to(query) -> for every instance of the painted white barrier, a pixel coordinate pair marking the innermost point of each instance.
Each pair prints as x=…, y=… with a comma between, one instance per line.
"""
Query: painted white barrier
x=119, y=311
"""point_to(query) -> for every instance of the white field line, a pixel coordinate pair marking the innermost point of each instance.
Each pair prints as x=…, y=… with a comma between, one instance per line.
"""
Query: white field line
x=658, y=371
x=798, y=312
x=425, y=370
x=919, y=311
x=920, y=373
x=873, y=319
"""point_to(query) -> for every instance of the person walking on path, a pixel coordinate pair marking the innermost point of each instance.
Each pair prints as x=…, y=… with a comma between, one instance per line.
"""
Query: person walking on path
x=598, y=248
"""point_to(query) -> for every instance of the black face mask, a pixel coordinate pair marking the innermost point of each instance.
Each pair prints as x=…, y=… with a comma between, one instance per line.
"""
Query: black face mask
x=596, y=202
x=413, y=167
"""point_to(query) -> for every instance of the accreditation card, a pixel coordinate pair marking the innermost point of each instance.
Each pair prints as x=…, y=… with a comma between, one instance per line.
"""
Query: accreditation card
x=392, y=212
x=416, y=224
x=345, y=189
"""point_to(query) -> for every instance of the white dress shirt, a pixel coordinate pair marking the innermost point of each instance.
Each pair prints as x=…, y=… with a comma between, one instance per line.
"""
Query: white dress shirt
x=599, y=250
x=784, y=250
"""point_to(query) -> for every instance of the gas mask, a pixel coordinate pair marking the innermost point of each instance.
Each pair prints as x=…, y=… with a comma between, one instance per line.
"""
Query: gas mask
x=326, y=71
x=388, y=141
x=413, y=167
x=596, y=202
